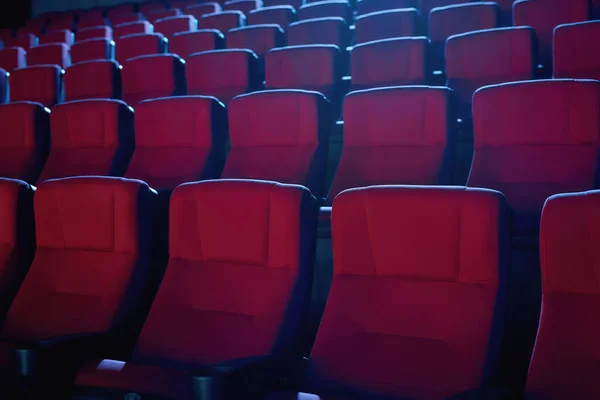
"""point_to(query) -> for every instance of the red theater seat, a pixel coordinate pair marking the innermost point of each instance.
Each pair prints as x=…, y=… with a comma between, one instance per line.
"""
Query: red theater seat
x=563, y=365
x=88, y=274
x=324, y=9
x=223, y=74
x=312, y=67
x=264, y=268
x=96, y=32
x=133, y=28
x=25, y=141
x=63, y=36
x=389, y=62
x=387, y=142
x=331, y=30
x=202, y=9
x=171, y=25
x=93, y=49
x=576, y=55
x=187, y=43
x=123, y=19
x=280, y=15
x=258, y=38
x=40, y=83
x=64, y=21
x=399, y=317
x=477, y=59
x=120, y=9
x=178, y=140
x=12, y=58
x=535, y=139
x=105, y=85
x=131, y=46
x=156, y=15
x=244, y=6
x=89, y=137
x=544, y=16
x=26, y=41
x=387, y=25
x=17, y=237
x=451, y=20
x=222, y=21
x=181, y=4
x=153, y=76
x=53, y=53
x=280, y=135
x=368, y=6
x=90, y=20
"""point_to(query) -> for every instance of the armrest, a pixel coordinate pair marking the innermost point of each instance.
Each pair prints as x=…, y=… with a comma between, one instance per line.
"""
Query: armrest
x=490, y=394
x=68, y=349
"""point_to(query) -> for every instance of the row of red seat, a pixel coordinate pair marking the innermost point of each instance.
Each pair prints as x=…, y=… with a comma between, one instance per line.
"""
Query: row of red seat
x=232, y=305
x=473, y=60
x=532, y=139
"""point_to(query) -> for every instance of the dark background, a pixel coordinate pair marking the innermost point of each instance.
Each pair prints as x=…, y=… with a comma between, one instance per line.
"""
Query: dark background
x=14, y=12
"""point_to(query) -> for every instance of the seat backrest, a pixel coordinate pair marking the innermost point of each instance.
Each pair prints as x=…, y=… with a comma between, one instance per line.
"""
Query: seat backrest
x=387, y=24
x=136, y=45
x=93, y=49
x=187, y=43
x=311, y=67
x=25, y=141
x=128, y=18
x=460, y=18
x=26, y=41
x=244, y=6
x=89, y=137
x=575, y=55
x=451, y=20
x=545, y=15
x=368, y=6
x=563, y=364
x=396, y=135
x=534, y=139
x=149, y=77
x=199, y=10
x=172, y=25
x=120, y=9
x=89, y=21
x=265, y=268
x=222, y=21
x=38, y=83
x=280, y=135
x=63, y=36
x=105, y=85
x=133, y=28
x=64, y=21
x=17, y=237
x=258, y=38
x=156, y=15
x=91, y=260
x=223, y=74
x=12, y=58
x=324, y=9
x=477, y=59
x=178, y=140
x=280, y=15
x=389, y=62
x=95, y=32
x=53, y=53
x=330, y=30
x=382, y=248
